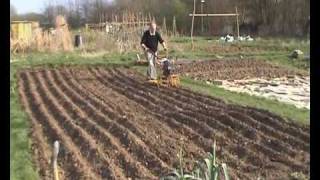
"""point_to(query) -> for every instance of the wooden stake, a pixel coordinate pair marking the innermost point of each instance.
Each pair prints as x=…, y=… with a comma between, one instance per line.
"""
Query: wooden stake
x=174, y=26
x=56, y=147
x=150, y=17
x=164, y=26
x=194, y=11
x=238, y=33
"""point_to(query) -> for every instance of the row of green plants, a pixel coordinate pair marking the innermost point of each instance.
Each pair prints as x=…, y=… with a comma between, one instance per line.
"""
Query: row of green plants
x=207, y=169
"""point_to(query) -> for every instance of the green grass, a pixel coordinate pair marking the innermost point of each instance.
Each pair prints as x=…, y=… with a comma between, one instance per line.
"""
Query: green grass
x=75, y=58
x=287, y=111
x=21, y=166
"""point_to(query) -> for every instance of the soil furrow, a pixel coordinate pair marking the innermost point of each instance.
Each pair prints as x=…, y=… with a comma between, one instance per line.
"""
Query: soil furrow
x=133, y=144
x=103, y=138
x=114, y=125
x=158, y=139
x=272, y=120
x=41, y=149
x=277, y=123
x=212, y=111
x=87, y=145
x=70, y=156
x=164, y=114
x=267, y=151
x=285, y=140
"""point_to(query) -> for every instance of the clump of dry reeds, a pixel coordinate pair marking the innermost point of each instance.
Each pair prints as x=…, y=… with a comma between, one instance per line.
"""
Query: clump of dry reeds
x=63, y=35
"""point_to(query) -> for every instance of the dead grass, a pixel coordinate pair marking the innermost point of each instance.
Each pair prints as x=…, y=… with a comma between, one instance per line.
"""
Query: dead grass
x=58, y=39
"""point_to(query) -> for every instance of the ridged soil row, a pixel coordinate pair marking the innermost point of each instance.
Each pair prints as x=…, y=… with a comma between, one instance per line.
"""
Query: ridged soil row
x=184, y=112
x=120, y=160
x=270, y=146
x=267, y=151
x=89, y=149
x=155, y=134
x=247, y=123
x=133, y=145
x=174, y=121
x=291, y=128
x=265, y=117
x=283, y=140
x=70, y=158
x=246, y=119
x=40, y=147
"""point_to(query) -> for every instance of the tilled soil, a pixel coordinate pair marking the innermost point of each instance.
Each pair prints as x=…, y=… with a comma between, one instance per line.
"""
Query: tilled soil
x=112, y=125
x=234, y=69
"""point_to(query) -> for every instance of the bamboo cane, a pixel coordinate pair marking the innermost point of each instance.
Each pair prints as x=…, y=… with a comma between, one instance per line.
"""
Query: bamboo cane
x=194, y=9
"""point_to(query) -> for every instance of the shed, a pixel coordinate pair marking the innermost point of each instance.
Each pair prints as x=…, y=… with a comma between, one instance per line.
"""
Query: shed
x=22, y=30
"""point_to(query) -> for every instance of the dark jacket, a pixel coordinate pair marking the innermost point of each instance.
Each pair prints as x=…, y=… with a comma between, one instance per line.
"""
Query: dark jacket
x=151, y=41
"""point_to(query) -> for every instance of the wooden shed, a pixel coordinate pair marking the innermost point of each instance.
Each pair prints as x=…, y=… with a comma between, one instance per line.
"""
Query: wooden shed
x=22, y=30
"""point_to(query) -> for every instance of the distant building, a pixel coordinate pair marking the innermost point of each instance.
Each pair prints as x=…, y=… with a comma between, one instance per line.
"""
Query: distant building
x=22, y=30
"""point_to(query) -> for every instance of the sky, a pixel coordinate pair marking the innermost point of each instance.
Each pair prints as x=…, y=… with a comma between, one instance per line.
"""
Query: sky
x=26, y=6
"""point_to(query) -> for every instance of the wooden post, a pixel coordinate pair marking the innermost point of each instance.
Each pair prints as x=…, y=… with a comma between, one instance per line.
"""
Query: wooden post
x=150, y=19
x=143, y=25
x=164, y=26
x=194, y=11
x=202, y=16
x=238, y=33
x=56, y=147
x=174, y=26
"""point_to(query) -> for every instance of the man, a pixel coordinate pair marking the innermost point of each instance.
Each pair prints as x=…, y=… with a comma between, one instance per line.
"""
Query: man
x=149, y=42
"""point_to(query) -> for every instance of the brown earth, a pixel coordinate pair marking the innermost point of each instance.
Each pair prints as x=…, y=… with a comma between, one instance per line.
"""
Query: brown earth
x=234, y=70
x=112, y=125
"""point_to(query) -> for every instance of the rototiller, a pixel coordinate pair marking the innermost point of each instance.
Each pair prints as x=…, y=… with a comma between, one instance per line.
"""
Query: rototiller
x=168, y=77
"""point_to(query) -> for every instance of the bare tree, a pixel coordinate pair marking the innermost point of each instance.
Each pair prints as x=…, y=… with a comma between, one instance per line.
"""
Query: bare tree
x=263, y=17
x=13, y=11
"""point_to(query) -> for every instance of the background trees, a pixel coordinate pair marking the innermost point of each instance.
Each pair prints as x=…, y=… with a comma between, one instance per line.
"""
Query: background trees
x=258, y=17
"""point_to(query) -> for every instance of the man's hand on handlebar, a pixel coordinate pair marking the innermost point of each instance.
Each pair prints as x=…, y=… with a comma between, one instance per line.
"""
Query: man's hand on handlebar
x=144, y=47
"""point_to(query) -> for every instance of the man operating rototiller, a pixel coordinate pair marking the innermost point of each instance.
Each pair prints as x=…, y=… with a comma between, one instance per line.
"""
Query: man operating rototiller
x=149, y=43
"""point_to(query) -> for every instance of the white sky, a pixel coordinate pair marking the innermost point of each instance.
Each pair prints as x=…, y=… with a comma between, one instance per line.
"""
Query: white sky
x=25, y=6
